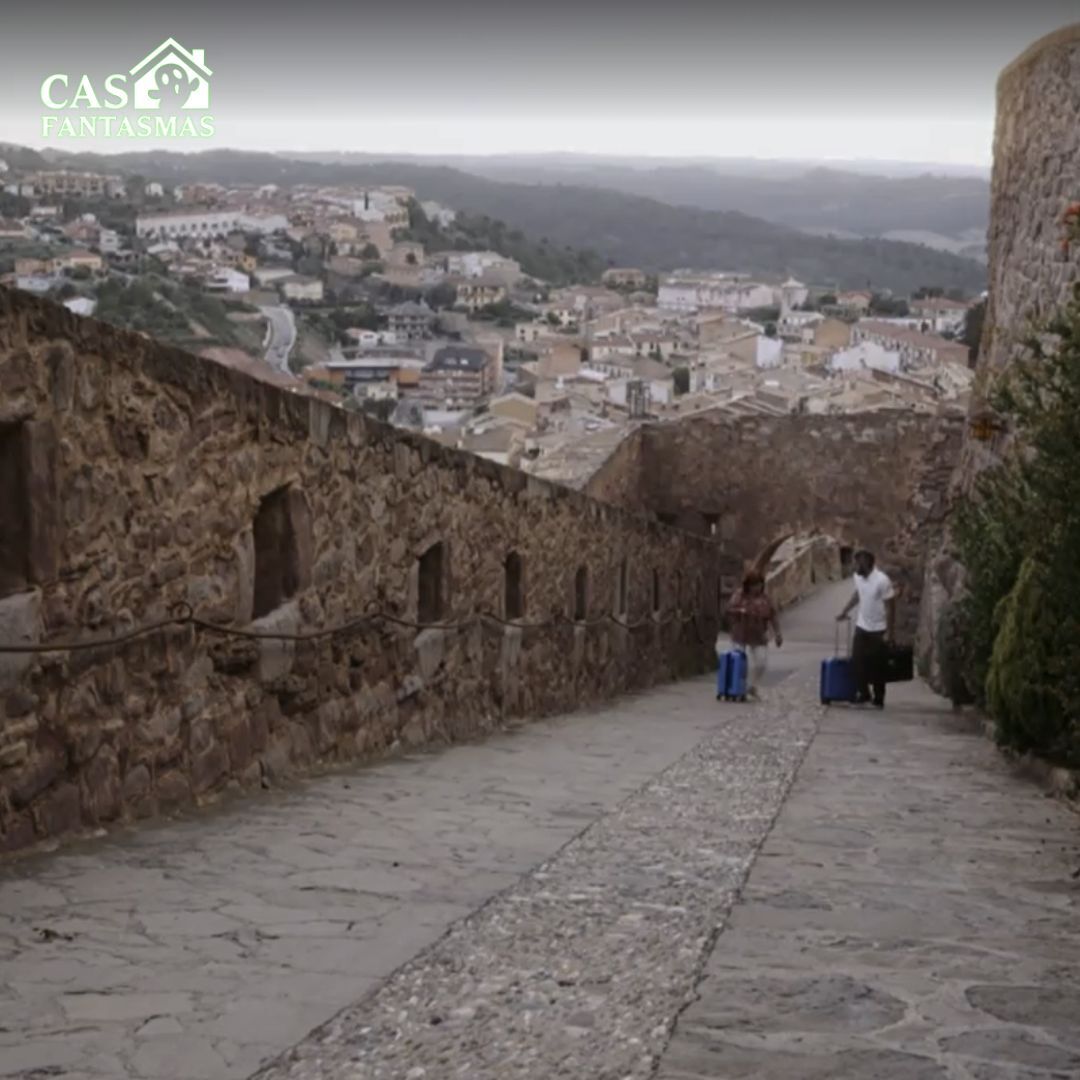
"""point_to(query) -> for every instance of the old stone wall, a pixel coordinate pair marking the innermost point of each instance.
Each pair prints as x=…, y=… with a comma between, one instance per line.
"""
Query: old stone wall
x=813, y=563
x=1036, y=176
x=137, y=478
x=873, y=479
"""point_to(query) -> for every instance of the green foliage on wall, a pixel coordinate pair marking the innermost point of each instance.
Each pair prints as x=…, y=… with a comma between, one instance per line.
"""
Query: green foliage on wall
x=1018, y=534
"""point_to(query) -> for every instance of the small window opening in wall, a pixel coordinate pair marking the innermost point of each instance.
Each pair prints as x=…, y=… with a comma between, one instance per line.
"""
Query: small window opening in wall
x=656, y=592
x=277, y=553
x=712, y=524
x=847, y=555
x=677, y=591
x=14, y=511
x=581, y=594
x=432, y=590
x=514, y=596
x=622, y=595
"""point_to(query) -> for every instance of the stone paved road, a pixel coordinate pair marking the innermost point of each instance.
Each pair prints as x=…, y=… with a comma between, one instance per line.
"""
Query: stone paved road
x=545, y=904
x=197, y=949
x=913, y=915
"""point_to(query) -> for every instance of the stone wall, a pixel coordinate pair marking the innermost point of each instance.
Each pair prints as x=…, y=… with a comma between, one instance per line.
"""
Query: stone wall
x=1036, y=176
x=873, y=479
x=813, y=562
x=137, y=477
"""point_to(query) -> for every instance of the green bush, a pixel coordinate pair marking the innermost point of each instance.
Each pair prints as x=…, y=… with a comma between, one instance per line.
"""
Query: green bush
x=1017, y=634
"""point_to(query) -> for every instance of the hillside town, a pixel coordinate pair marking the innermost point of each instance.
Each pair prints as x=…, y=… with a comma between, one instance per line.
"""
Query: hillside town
x=333, y=291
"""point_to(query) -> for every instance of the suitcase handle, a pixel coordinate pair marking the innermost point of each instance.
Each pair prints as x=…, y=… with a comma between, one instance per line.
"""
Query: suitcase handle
x=836, y=638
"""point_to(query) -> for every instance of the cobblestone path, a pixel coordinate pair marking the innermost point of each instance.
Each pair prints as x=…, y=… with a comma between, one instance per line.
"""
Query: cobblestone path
x=548, y=903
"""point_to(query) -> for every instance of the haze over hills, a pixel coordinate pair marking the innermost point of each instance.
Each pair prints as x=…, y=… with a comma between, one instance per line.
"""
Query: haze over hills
x=624, y=228
x=940, y=206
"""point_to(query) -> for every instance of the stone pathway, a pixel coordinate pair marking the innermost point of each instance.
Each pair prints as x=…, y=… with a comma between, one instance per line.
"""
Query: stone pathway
x=197, y=949
x=547, y=903
x=913, y=915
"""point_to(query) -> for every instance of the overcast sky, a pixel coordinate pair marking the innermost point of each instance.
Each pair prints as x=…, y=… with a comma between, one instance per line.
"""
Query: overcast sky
x=908, y=81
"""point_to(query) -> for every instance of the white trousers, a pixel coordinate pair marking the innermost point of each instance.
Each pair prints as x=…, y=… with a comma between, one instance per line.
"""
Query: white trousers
x=757, y=660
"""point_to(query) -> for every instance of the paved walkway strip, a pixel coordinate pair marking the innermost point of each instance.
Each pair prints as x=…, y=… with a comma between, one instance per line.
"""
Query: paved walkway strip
x=580, y=968
x=914, y=915
x=198, y=949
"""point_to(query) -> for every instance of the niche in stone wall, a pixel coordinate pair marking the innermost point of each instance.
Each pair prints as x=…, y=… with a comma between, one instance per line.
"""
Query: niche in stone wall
x=581, y=594
x=14, y=512
x=656, y=592
x=431, y=584
x=283, y=549
x=513, y=587
x=29, y=521
x=622, y=589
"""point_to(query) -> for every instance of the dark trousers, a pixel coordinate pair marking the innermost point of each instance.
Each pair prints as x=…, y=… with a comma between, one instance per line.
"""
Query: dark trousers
x=868, y=652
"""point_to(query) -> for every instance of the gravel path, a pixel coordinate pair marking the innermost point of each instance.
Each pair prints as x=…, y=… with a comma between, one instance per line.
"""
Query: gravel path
x=580, y=968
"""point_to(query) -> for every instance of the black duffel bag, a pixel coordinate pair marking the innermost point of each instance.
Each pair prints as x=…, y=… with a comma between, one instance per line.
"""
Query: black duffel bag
x=898, y=662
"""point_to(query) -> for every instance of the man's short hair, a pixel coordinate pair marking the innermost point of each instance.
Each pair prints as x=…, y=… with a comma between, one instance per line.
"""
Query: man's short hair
x=862, y=553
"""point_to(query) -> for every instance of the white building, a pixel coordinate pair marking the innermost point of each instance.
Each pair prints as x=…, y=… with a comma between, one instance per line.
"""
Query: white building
x=793, y=294
x=866, y=356
x=940, y=314
x=81, y=305
x=299, y=287
x=769, y=352
x=475, y=264
x=153, y=190
x=441, y=215
x=688, y=294
x=798, y=325
x=109, y=241
x=206, y=223
x=264, y=224
x=227, y=280
x=265, y=275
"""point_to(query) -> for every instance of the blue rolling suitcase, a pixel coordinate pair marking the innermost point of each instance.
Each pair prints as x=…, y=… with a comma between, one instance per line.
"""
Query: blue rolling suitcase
x=731, y=676
x=837, y=679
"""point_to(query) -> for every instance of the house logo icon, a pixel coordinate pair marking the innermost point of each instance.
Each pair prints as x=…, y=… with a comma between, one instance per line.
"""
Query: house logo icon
x=171, y=77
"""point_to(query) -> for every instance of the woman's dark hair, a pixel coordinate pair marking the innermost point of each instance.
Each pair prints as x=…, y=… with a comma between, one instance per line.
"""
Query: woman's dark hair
x=751, y=578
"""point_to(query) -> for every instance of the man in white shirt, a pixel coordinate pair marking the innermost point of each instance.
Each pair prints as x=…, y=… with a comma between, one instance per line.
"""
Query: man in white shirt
x=875, y=598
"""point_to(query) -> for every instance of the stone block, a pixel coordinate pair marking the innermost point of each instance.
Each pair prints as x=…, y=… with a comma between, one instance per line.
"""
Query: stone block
x=61, y=364
x=60, y=811
x=101, y=787
x=136, y=785
x=209, y=768
x=44, y=767
x=172, y=789
x=17, y=832
x=20, y=624
x=240, y=744
x=14, y=753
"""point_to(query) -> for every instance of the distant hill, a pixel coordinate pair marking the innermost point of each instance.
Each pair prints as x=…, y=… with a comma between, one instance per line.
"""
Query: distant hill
x=948, y=210
x=626, y=229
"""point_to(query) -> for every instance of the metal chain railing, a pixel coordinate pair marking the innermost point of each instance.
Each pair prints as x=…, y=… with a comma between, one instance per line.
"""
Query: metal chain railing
x=183, y=615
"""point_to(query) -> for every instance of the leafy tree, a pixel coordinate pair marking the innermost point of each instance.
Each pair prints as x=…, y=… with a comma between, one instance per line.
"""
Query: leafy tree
x=441, y=296
x=370, y=252
x=681, y=378
x=889, y=306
